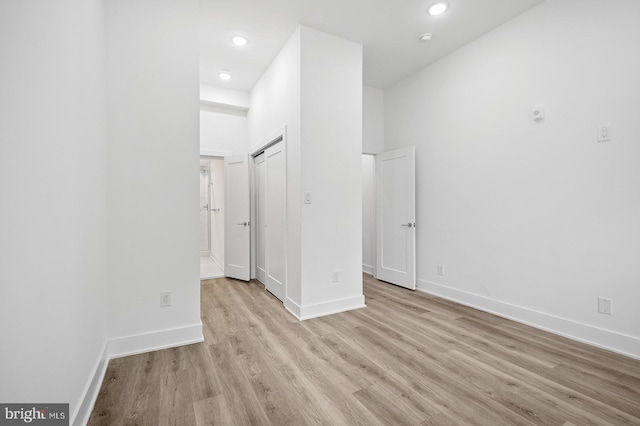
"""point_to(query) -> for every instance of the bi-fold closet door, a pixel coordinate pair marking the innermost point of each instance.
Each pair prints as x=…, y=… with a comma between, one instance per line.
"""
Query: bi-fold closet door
x=270, y=217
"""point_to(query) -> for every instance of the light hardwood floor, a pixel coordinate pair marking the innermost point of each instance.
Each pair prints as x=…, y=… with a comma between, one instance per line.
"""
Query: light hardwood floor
x=407, y=358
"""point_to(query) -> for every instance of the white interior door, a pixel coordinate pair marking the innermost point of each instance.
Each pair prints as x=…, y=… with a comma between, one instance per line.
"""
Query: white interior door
x=275, y=219
x=396, y=232
x=237, y=235
x=260, y=217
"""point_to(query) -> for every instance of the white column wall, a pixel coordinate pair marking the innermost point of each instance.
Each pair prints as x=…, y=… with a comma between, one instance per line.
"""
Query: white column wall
x=331, y=158
x=275, y=103
x=153, y=155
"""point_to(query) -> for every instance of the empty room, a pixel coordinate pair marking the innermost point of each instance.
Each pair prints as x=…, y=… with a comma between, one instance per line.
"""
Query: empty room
x=320, y=212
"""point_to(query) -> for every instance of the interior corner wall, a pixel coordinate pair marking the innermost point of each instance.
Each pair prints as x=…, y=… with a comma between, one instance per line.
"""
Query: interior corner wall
x=53, y=220
x=532, y=220
x=331, y=160
x=153, y=157
x=275, y=103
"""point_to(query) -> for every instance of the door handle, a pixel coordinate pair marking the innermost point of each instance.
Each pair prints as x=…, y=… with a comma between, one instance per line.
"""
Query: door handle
x=409, y=225
x=244, y=224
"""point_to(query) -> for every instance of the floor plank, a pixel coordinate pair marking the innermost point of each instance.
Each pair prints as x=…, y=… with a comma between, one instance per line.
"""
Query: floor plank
x=407, y=358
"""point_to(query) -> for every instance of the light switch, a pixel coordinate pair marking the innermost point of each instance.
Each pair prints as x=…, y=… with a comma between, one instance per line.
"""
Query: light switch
x=307, y=197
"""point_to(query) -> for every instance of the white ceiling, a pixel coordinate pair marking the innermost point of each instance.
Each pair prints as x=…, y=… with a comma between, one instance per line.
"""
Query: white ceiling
x=388, y=30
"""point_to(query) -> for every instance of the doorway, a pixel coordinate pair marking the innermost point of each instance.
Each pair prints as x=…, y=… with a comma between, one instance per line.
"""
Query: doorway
x=211, y=217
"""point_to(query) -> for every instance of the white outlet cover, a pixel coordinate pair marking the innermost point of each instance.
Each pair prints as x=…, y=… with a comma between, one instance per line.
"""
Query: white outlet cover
x=604, y=134
x=537, y=113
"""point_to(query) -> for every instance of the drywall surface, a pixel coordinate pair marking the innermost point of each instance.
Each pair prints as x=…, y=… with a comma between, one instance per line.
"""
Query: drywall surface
x=314, y=88
x=275, y=104
x=372, y=120
x=53, y=220
x=153, y=157
x=534, y=220
x=223, y=131
x=331, y=158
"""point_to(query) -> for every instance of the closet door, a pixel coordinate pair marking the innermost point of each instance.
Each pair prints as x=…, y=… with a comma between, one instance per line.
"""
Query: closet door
x=275, y=219
x=260, y=180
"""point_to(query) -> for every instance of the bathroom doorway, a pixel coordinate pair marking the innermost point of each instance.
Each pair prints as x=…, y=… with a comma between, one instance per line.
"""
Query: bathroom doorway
x=211, y=217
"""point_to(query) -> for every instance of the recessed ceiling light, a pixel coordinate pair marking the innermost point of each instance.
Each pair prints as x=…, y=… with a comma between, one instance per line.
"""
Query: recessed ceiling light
x=239, y=40
x=438, y=9
x=426, y=37
x=224, y=75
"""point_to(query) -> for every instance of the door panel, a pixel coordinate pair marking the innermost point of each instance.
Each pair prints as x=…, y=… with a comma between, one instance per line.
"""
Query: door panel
x=395, y=183
x=237, y=235
x=275, y=188
x=260, y=223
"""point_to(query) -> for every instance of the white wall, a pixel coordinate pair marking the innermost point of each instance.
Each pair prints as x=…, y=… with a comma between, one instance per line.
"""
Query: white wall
x=533, y=221
x=153, y=155
x=331, y=160
x=368, y=214
x=314, y=88
x=53, y=223
x=220, y=96
x=275, y=103
x=223, y=121
x=372, y=120
x=223, y=131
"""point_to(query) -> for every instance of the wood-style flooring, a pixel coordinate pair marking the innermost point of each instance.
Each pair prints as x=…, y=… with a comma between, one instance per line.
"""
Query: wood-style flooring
x=407, y=358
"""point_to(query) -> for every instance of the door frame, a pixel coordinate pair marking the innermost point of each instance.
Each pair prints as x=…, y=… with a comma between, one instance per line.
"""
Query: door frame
x=279, y=135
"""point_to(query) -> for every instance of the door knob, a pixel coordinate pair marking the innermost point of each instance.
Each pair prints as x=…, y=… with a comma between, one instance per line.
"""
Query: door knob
x=244, y=224
x=409, y=225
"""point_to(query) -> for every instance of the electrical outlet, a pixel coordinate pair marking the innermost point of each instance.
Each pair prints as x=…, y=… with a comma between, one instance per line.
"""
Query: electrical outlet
x=335, y=276
x=165, y=298
x=604, y=133
x=604, y=306
x=441, y=270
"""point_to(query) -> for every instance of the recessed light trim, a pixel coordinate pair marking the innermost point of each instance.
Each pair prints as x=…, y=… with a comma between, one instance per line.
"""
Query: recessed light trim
x=239, y=40
x=426, y=37
x=438, y=8
x=224, y=75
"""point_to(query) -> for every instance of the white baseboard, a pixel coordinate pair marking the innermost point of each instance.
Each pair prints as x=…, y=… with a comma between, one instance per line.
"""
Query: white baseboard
x=154, y=341
x=606, y=339
x=321, y=309
x=130, y=345
x=82, y=413
x=217, y=261
x=368, y=269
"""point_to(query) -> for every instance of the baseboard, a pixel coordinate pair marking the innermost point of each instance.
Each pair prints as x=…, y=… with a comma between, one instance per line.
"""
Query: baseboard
x=80, y=416
x=368, y=269
x=217, y=261
x=605, y=339
x=321, y=309
x=154, y=341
